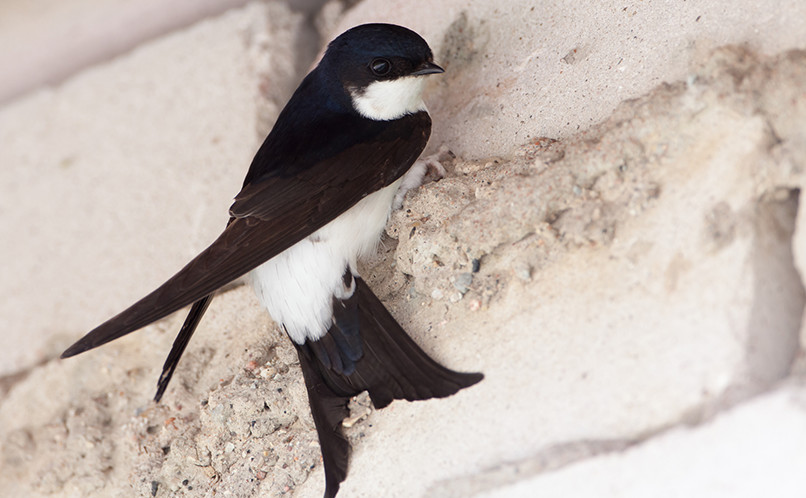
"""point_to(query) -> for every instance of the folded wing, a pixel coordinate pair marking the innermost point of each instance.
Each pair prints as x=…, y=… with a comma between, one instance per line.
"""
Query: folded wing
x=271, y=214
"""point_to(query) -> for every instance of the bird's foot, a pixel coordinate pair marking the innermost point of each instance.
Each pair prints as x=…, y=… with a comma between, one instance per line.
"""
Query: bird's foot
x=422, y=171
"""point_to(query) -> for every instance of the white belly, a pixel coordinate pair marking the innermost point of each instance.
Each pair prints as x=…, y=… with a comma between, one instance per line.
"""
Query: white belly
x=297, y=286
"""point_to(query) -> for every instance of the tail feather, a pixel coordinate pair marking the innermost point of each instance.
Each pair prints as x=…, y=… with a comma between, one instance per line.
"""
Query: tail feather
x=391, y=366
x=191, y=322
x=328, y=410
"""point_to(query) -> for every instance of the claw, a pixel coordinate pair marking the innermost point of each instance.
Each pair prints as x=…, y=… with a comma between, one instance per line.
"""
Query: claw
x=423, y=169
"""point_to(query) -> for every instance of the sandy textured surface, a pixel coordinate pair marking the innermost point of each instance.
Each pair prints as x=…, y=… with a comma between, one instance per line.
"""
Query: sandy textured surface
x=117, y=178
x=627, y=274
x=518, y=70
x=46, y=41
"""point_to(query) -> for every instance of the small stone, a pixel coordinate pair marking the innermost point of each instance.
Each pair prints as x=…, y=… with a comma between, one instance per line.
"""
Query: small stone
x=268, y=371
x=523, y=272
x=463, y=281
x=437, y=294
x=456, y=297
x=229, y=447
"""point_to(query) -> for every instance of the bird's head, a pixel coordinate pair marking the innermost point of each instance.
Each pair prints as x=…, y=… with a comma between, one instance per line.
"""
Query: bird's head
x=382, y=67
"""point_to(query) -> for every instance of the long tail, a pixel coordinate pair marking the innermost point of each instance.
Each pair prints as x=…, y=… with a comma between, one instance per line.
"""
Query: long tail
x=366, y=350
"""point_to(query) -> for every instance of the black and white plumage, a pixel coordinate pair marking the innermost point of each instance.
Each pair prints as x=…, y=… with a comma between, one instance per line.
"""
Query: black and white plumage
x=315, y=199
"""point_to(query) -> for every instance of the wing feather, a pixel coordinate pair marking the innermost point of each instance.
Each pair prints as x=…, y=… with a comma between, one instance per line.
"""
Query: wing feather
x=273, y=213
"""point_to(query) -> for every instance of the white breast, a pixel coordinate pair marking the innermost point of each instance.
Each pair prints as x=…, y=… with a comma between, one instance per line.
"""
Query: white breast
x=392, y=99
x=297, y=286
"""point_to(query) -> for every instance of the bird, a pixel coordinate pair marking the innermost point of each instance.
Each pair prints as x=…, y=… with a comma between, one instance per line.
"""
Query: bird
x=315, y=199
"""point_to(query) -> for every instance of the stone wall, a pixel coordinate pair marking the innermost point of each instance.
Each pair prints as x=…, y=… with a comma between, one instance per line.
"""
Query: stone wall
x=618, y=245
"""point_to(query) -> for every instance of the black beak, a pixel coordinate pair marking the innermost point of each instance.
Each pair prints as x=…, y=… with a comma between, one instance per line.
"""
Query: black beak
x=427, y=68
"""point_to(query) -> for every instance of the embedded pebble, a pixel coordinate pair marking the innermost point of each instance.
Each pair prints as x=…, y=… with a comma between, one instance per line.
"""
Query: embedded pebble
x=523, y=272
x=463, y=281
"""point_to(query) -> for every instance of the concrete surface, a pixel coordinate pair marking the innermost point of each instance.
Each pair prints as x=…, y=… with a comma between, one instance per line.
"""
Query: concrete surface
x=727, y=457
x=45, y=41
x=631, y=286
x=518, y=70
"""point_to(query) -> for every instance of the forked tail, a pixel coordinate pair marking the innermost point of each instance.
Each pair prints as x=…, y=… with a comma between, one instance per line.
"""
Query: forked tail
x=366, y=350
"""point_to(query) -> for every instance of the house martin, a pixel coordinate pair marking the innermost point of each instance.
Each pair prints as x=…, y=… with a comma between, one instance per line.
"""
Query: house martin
x=315, y=199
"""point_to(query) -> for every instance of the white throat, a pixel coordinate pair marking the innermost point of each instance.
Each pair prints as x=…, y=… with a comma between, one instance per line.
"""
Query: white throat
x=393, y=99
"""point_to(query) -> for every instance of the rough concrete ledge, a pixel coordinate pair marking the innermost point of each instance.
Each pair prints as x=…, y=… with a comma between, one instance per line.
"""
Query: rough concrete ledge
x=633, y=291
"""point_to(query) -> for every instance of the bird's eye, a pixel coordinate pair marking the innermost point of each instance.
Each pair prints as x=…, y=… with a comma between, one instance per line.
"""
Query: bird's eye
x=380, y=66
